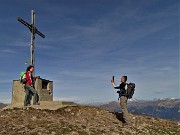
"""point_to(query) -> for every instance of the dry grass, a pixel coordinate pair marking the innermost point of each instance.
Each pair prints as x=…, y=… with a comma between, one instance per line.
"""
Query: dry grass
x=79, y=120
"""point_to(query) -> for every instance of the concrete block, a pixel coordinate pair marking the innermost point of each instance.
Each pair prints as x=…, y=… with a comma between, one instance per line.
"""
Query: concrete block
x=44, y=88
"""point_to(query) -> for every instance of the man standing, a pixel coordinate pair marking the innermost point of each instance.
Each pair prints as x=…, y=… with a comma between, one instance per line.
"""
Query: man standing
x=29, y=87
x=123, y=97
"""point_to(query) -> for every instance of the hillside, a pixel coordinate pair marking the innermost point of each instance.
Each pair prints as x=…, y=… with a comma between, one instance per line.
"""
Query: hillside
x=166, y=109
x=80, y=120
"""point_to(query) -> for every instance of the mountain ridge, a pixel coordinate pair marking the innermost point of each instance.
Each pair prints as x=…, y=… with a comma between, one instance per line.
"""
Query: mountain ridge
x=166, y=108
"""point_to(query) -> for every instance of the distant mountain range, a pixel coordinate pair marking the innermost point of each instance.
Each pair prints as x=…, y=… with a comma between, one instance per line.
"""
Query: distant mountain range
x=2, y=105
x=162, y=108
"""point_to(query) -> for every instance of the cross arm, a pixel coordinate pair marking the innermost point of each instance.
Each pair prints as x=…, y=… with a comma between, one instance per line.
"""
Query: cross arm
x=39, y=33
x=24, y=22
x=30, y=27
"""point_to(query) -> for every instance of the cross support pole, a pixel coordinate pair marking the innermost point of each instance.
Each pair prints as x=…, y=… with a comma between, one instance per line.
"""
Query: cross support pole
x=32, y=58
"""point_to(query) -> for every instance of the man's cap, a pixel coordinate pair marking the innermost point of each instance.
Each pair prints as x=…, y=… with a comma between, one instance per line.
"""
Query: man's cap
x=125, y=78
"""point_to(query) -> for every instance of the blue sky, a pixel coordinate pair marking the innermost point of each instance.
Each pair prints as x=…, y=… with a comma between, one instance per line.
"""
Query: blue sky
x=89, y=41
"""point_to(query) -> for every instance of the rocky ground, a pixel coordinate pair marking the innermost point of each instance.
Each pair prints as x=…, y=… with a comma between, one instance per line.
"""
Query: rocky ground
x=80, y=120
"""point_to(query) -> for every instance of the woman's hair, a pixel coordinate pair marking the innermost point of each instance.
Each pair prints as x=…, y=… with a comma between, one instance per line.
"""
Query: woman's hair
x=29, y=67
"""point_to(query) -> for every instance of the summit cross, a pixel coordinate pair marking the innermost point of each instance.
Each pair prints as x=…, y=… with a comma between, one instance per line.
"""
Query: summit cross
x=33, y=31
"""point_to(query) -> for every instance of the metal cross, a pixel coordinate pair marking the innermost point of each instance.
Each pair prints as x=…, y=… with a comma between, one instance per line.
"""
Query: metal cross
x=34, y=31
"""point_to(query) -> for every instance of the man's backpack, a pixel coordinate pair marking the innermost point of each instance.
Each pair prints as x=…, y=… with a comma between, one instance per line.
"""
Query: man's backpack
x=130, y=90
x=22, y=78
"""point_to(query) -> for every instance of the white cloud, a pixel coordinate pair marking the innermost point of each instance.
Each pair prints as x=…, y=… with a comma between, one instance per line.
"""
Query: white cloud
x=9, y=51
x=70, y=99
x=5, y=97
x=5, y=100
